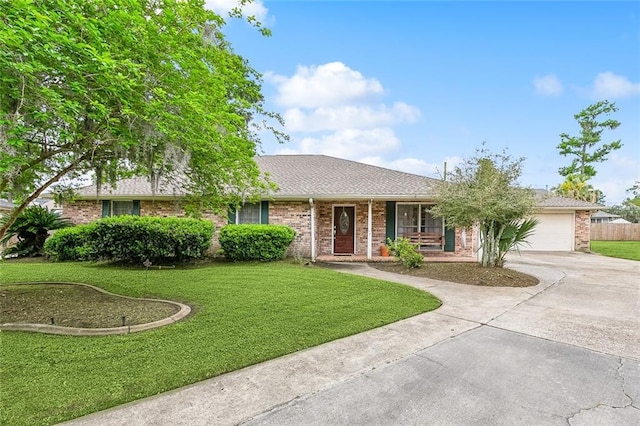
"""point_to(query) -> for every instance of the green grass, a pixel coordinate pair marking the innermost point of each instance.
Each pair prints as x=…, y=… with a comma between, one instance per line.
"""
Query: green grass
x=621, y=249
x=244, y=314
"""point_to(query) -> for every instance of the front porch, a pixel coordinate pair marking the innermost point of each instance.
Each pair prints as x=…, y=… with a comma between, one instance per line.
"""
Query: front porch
x=363, y=258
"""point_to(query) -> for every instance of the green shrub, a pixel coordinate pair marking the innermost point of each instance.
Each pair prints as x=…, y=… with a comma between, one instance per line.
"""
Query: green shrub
x=135, y=239
x=255, y=242
x=407, y=252
x=70, y=243
x=31, y=228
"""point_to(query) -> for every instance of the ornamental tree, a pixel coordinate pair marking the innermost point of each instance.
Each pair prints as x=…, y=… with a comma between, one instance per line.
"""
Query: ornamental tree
x=484, y=191
x=121, y=88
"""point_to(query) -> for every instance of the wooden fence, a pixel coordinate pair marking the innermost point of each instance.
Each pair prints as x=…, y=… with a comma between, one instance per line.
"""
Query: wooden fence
x=615, y=231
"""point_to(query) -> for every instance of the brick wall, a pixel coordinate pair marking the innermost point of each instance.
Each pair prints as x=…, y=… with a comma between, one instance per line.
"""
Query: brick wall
x=582, y=230
x=296, y=214
x=83, y=211
x=466, y=242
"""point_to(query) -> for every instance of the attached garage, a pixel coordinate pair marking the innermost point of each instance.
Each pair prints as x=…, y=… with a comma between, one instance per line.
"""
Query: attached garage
x=555, y=232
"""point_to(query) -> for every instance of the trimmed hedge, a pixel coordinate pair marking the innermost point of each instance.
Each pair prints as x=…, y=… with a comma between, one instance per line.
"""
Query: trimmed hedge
x=70, y=243
x=136, y=239
x=255, y=242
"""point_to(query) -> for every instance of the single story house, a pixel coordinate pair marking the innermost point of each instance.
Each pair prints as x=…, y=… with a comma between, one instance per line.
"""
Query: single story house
x=340, y=208
x=604, y=217
x=5, y=206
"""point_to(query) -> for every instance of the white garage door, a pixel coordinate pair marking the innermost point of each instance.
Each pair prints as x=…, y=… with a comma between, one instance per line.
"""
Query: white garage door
x=553, y=233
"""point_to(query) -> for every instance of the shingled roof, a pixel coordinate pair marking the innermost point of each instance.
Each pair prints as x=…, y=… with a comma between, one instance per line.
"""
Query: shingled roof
x=548, y=200
x=570, y=203
x=303, y=177
x=321, y=176
x=300, y=177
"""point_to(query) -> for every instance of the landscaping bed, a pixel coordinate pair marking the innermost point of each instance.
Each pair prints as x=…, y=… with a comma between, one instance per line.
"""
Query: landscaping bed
x=69, y=305
x=464, y=273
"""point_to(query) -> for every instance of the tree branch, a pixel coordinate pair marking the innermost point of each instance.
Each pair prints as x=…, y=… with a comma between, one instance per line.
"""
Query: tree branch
x=16, y=212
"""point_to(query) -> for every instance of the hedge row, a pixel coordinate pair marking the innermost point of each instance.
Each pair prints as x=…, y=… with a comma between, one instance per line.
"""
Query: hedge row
x=255, y=242
x=133, y=239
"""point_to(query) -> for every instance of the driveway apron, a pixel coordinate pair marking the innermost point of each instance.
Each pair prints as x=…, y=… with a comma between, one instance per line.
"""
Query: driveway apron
x=563, y=352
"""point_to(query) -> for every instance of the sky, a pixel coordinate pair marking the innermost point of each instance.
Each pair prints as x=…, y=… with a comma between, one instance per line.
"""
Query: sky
x=410, y=85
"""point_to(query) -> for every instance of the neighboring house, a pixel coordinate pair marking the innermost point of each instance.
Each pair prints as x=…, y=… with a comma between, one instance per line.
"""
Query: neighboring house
x=48, y=203
x=604, y=217
x=5, y=206
x=339, y=207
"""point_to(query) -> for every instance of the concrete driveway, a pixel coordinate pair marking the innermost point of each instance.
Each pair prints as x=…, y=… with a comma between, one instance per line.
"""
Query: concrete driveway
x=566, y=351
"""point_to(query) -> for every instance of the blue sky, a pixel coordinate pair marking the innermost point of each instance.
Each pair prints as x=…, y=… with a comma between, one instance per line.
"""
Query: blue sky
x=410, y=85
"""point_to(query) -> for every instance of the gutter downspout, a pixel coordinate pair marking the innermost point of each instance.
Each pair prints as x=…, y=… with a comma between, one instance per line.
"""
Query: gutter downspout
x=313, y=229
x=369, y=231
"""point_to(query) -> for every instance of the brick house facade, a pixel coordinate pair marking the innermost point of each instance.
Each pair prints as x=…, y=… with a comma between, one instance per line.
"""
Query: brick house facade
x=313, y=191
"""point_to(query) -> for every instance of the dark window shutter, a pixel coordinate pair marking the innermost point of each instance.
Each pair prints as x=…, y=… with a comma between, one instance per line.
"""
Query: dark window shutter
x=232, y=214
x=450, y=239
x=106, y=208
x=135, y=210
x=390, y=217
x=264, y=212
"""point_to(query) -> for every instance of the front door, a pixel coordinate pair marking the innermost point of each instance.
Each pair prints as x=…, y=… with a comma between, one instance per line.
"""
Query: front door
x=343, y=229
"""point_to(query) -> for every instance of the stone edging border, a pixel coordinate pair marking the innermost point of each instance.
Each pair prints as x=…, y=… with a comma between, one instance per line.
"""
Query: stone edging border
x=77, y=331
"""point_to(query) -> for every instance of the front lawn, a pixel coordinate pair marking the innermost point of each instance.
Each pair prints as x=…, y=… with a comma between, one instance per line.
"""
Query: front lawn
x=244, y=314
x=621, y=249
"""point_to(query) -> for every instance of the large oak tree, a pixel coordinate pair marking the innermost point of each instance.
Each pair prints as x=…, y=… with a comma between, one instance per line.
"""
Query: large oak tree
x=125, y=87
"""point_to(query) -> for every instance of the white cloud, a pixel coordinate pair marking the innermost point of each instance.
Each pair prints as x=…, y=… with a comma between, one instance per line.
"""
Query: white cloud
x=622, y=172
x=351, y=144
x=610, y=85
x=348, y=117
x=409, y=165
x=548, y=85
x=255, y=8
x=324, y=85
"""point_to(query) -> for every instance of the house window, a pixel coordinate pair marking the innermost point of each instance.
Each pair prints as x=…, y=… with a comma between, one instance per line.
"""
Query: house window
x=412, y=218
x=120, y=208
x=249, y=213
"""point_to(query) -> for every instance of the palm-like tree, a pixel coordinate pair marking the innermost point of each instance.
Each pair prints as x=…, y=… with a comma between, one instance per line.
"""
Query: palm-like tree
x=32, y=229
x=576, y=186
x=515, y=235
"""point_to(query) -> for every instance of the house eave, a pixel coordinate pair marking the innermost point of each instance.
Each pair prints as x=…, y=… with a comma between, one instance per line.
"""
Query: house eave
x=349, y=197
x=542, y=209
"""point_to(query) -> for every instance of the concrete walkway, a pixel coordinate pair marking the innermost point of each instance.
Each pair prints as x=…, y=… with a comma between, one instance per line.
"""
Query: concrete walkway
x=563, y=352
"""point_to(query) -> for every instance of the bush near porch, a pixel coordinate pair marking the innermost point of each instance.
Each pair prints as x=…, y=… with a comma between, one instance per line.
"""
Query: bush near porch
x=255, y=242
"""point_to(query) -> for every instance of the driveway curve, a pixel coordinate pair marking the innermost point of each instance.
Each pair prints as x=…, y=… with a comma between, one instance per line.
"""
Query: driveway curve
x=563, y=352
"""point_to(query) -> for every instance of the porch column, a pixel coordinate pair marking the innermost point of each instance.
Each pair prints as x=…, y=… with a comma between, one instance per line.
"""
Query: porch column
x=312, y=208
x=369, y=231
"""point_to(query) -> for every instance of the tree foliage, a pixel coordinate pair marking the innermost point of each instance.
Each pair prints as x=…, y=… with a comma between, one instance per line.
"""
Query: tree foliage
x=577, y=187
x=585, y=149
x=484, y=191
x=125, y=87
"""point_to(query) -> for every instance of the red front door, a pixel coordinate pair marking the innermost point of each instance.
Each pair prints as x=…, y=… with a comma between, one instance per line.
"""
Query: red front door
x=343, y=230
